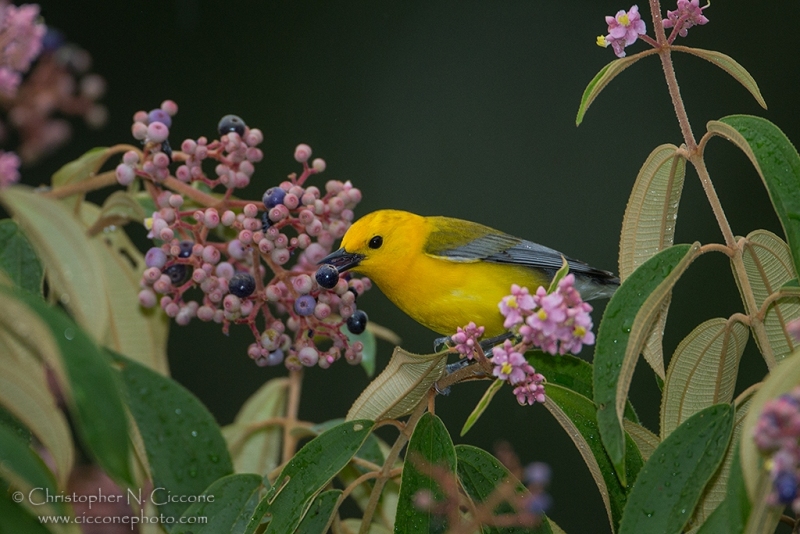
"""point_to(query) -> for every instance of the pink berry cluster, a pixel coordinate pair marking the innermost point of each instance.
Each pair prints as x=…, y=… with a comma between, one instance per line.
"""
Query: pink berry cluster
x=509, y=364
x=231, y=261
x=777, y=433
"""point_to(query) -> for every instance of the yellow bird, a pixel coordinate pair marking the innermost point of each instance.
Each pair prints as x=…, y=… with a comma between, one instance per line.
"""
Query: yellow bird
x=446, y=272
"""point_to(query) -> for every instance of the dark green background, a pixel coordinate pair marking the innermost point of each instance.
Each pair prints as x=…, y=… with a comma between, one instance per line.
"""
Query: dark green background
x=464, y=109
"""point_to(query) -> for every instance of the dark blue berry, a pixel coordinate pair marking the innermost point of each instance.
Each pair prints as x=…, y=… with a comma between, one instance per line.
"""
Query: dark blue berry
x=178, y=273
x=166, y=149
x=357, y=322
x=242, y=285
x=275, y=357
x=265, y=222
x=304, y=305
x=785, y=485
x=354, y=292
x=231, y=123
x=272, y=197
x=186, y=249
x=159, y=115
x=327, y=276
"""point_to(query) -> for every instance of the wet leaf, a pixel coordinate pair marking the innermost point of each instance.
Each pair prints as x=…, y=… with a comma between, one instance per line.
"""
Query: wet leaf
x=256, y=448
x=185, y=449
x=646, y=441
x=399, y=387
x=18, y=259
x=729, y=65
x=430, y=445
x=670, y=483
x=703, y=371
x=577, y=415
x=768, y=264
x=731, y=515
x=778, y=164
x=624, y=329
x=320, y=515
x=227, y=505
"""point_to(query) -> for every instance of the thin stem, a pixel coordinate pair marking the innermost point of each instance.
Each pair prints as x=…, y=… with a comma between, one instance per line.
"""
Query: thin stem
x=292, y=408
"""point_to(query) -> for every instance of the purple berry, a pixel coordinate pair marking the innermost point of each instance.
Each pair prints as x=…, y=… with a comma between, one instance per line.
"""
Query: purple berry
x=159, y=115
x=327, y=276
x=304, y=305
x=242, y=285
x=155, y=257
x=357, y=322
x=178, y=274
x=275, y=357
x=185, y=249
x=785, y=485
x=231, y=123
x=272, y=197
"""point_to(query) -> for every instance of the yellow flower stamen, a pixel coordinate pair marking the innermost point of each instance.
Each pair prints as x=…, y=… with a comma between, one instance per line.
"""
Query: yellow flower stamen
x=148, y=223
x=624, y=20
x=579, y=331
x=511, y=302
x=542, y=314
x=601, y=41
x=506, y=369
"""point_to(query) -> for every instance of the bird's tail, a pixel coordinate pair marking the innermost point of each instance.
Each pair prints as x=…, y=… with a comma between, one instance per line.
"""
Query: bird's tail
x=593, y=283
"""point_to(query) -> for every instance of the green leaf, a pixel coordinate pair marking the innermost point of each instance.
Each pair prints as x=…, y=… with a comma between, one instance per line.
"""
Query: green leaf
x=367, y=337
x=72, y=266
x=185, y=449
x=603, y=78
x=480, y=473
x=729, y=65
x=703, y=371
x=782, y=379
x=226, y=505
x=578, y=416
x=320, y=515
x=731, y=515
x=118, y=209
x=18, y=259
x=482, y=405
x=768, y=264
x=80, y=169
x=91, y=386
x=625, y=327
x=16, y=519
x=25, y=394
x=646, y=441
x=649, y=226
x=256, y=448
x=778, y=164
x=306, y=474
x=402, y=384
x=430, y=445
x=560, y=273
x=671, y=482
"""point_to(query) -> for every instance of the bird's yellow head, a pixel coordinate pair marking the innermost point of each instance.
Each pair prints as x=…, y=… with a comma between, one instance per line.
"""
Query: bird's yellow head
x=379, y=243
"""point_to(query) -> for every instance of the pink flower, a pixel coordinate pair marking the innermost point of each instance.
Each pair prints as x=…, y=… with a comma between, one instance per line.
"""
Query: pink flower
x=9, y=169
x=514, y=304
x=550, y=314
x=688, y=14
x=623, y=30
x=531, y=391
x=509, y=364
x=466, y=339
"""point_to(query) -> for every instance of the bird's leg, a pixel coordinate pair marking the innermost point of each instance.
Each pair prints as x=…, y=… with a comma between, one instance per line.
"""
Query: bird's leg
x=443, y=343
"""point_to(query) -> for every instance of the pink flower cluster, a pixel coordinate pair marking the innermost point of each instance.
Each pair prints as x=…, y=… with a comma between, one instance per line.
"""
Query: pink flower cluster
x=253, y=262
x=557, y=323
x=467, y=338
x=688, y=14
x=510, y=365
x=624, y=29
x=9, y=169
x=777, y=433
x=21, y=33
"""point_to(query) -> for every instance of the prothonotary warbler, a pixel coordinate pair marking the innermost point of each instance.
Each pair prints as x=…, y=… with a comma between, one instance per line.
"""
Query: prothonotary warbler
x=446, y=272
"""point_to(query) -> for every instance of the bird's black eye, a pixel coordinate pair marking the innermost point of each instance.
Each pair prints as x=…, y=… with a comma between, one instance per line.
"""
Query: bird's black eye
x=376, y=242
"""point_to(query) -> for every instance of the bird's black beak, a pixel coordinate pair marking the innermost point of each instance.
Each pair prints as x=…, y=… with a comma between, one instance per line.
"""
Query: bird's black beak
x=342, y=260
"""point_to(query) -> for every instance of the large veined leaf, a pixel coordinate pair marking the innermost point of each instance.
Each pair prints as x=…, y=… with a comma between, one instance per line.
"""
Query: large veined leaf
x=671, y=482
x=226, y=505
x=731, y=515
x=402, y=384
x=25, y=395
x=626, y=325
x=79, y=170
x=768, y=263
x=430, y=443
x=778, y=164
x=649, y=226
x=603, y=78
x=718, y=488
x=782, y=379
x=646, y=441
x=702, y=372
x=254, y=447
x=577, y=415
x=729, y=65
x=72, y=266
x=137, y=333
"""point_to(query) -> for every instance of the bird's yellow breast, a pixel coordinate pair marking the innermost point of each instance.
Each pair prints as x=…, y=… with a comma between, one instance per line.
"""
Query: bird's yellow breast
x=443, y=295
